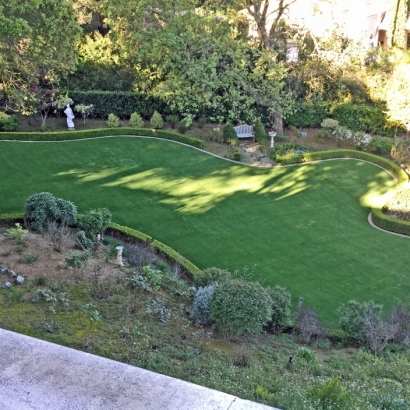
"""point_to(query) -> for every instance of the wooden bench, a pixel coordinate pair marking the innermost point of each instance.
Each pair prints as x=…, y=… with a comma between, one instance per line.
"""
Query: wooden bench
x=244, y=131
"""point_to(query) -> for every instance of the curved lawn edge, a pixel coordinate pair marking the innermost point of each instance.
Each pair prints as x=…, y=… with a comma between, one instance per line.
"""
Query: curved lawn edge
x=379, y=219
x=132, y=235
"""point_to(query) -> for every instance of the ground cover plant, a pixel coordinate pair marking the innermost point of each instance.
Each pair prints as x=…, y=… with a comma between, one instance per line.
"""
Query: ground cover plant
x=303, y=227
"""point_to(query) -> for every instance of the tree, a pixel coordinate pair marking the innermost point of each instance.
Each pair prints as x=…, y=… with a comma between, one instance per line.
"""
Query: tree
x=35, y=36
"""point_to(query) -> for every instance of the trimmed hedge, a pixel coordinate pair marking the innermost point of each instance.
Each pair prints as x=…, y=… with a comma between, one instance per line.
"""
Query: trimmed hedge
x=364, y=117
x=390, y=224
x=102, y=132
x=122, y=104
x=308, y=114
x=134, y=235
x=345, y=153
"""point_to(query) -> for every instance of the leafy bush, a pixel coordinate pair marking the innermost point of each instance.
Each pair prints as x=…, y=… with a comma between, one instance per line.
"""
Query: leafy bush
x=172, y=120
x=281, y=304
x=390, y=224
x=136, y=120
x=84, y=110
x=308, y=114
x=229, y=134
x=399, y=204
x=77, y=259
x=239, y=307
x=211, y=275
x=113, y=121
x=29, y=258
x=351, y=320
x=18, y=233
x=323, y=134
x=237, y=155
x=330, y=124
x=381, y=145
x=306, y=354
x=43, y=208
x=389, y=402
x=156, y=308
x=329, y=396
x=156, y=121
x=85, y=242
x=259, y=131
x=202, y=121
x=95, y=221
x=363, y=117
x=201, y=307
x=288, y=148
x=8, y=123
x=183, y=127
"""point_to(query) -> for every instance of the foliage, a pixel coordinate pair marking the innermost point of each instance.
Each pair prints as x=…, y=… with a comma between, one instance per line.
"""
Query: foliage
x=84, y=109
x=308, y=114
x=288, y=148
x=172, y=120
x=400, y=150
x=77, y=259
x=306, y=354
x=323, y=134
x=156, y=308
x=237, y=155
x=211, y=276
x=229, y=134
x=330, y=395
x=381, y=145
x=390, y=224
x=43, y=208
x=330, y=123
x=34, y=45
x=259, y=131
x=85, y=242
x=351, y=320
x=201, y=307
x=29, y=258
x=156, y=120
x=399, y=204
x=136, y=120
x=309, y=326
x=95, y=221
x=389, y=402
x=18, y=233
x=281, y=304
x=363, y=117
x=239, y=307
x=113, y=121
x=8, y=123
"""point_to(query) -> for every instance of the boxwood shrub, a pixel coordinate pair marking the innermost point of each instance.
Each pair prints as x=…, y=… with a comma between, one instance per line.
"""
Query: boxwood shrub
x=102, y=132
x=308, y=114
x=390, y=224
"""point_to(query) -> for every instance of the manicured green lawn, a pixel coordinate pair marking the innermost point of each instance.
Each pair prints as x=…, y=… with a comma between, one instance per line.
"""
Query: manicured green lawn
x=304, y=227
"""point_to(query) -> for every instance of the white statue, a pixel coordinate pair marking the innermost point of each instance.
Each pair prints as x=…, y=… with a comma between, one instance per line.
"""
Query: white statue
x=70, y=116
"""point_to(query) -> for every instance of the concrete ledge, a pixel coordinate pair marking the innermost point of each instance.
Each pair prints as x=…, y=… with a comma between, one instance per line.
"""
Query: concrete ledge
x=39, y=375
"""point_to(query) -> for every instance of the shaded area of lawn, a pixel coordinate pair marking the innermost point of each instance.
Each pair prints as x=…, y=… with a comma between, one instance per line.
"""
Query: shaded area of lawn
x=303, y=227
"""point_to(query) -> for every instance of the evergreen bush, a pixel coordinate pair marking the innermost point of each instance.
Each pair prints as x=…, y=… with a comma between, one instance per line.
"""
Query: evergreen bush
x=156, y=121
x=8, y=123
x=259, y=131
x=172, y=120
x=113, y=121
x=201, y=307
x=281, y=304
x=210, y=276
x=43, y=208
x=229, y=134
x=95, y=221
x=136, y=120
x=239, y=307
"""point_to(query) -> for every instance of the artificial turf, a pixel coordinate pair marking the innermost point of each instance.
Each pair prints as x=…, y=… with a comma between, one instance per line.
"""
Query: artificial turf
x=303, y=227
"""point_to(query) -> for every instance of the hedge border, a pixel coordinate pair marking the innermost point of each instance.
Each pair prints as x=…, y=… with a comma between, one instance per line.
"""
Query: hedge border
x=100, y=132
x=378, y=217
x=133, y=235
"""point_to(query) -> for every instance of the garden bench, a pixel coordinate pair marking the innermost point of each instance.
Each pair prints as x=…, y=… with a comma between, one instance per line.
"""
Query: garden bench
x=244, y=131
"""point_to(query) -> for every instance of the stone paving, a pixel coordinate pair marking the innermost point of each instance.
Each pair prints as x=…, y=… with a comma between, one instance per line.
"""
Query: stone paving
x=251, y=154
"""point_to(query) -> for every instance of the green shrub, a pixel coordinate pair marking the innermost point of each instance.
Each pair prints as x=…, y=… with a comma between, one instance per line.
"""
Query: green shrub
x=281, y=304
x=156, y=308
x=201, y=307
x=306, y=354
x=229, y=134
x=364, y=117
x=211, y=275
x=399, y=204
x=78, y=135
x=95, y=221
x=29, y=258
x=288, y=148
x=77, y=259
x=351, y=320
x=136, y=120
x=8, y=123
x=330, y=124
x=183, y=127
x=390, y=224
x=389, y=402
x=18, y=233
x=85, y=242
x=308, y=114
x=156, y=121
x=239, y=307
x=43, y=208
x=172, y=120
x=237, y=155
x=381, y=145
x=259, y=131
x=323, y=134
x=113, y=121
x=202, y=121
x=329, y=396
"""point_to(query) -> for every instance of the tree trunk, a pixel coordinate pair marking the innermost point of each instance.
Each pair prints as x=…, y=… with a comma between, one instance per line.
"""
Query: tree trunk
x=278, y=123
